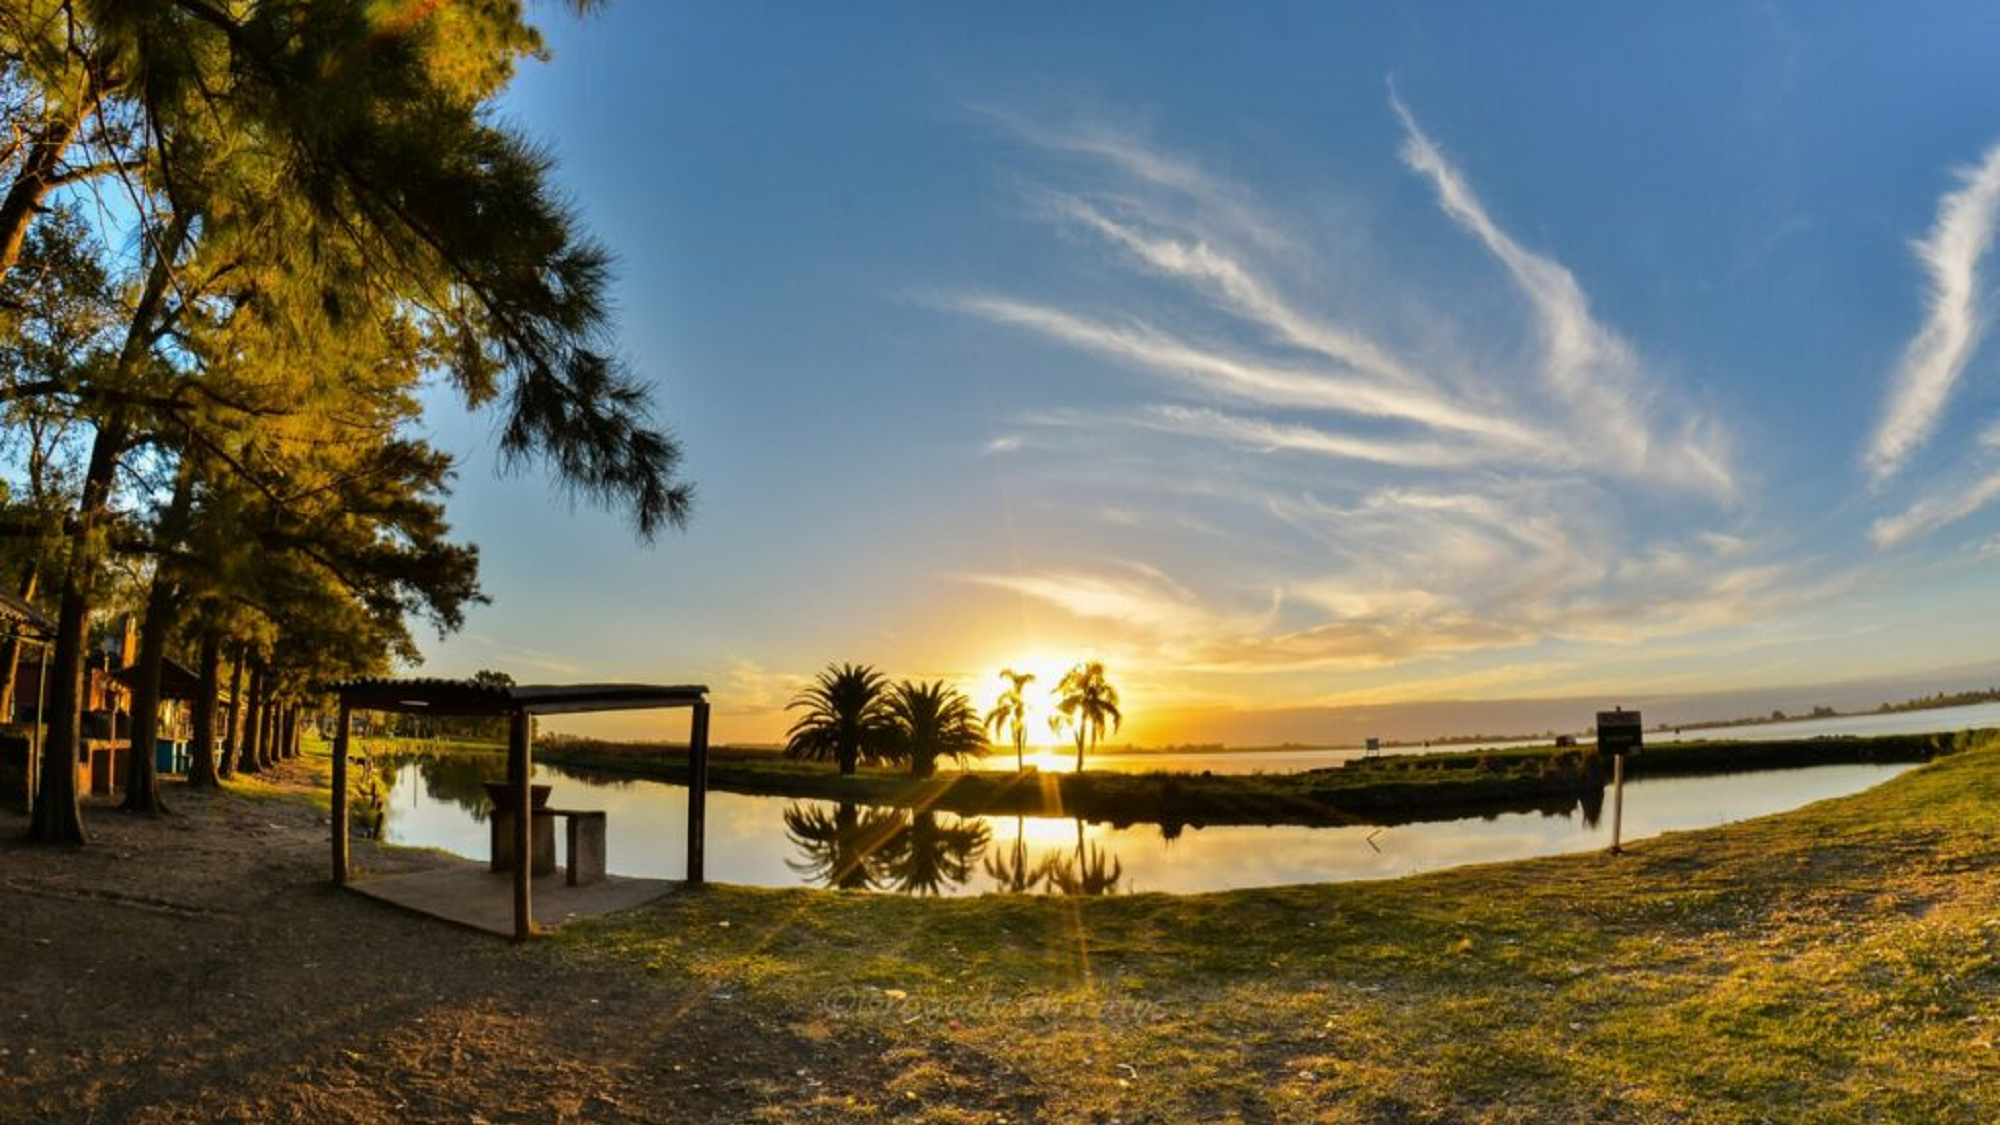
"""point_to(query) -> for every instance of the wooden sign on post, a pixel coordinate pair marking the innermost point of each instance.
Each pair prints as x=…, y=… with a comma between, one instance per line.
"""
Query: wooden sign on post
x=1618, y=734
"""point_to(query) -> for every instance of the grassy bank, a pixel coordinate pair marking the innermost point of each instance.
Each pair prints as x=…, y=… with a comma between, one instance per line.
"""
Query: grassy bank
x=1387, y=790
x=1840, y=963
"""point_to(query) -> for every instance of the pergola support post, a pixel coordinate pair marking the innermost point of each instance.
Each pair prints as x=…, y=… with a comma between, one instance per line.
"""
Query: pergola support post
x=35, y=763
x=340, y=798
x=520, y=770
x=697, y=793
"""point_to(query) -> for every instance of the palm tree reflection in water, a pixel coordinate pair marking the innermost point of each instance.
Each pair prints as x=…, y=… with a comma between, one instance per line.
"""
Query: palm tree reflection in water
x=1091, y=871
x=841, y=848
x=1014, y=874
x=856, y=849
x=929, y=857
x=853, y=848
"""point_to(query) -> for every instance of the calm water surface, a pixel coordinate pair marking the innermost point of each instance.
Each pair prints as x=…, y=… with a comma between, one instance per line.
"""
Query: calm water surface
x=779, y=841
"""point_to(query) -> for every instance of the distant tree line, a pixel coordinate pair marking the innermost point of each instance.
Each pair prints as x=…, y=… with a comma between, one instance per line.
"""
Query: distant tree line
x=1943, y=699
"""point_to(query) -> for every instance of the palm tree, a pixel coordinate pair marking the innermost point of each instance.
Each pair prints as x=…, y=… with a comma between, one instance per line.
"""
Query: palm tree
x=846, y=718
x=931, y=721
x=1011, y=711
x=1087, y=702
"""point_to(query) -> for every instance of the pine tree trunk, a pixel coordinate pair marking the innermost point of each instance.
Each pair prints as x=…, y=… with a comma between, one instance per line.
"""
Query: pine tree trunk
x=232, y=735
x=267, y=741
x=142, y=785
x=291, y=739
x=272, y=707
x=58, y=819
x=142, y=780
x=252, y=760
x=201, y=764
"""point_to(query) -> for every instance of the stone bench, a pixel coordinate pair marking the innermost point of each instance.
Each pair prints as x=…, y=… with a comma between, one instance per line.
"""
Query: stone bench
x=585, y=840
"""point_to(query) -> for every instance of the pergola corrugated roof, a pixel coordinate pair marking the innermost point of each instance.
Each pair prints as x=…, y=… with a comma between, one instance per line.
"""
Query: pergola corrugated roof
x=520, y=703
x=15, y=611
x=470, y=697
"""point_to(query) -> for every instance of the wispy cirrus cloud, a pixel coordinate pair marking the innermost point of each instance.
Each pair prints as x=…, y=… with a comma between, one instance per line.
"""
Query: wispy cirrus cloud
x=1934, y=513
x=1400, y=498
x=1137, y=595
x=1247, y=378
x=1534, y=558
x=1204, y=264
x=1592, y=370
x=1145, y=164
x=1267, y=436
x=1413, y=573
x=1953, y=254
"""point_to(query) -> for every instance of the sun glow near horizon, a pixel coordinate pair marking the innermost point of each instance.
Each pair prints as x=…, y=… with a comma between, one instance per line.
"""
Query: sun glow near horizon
x=1048, y=668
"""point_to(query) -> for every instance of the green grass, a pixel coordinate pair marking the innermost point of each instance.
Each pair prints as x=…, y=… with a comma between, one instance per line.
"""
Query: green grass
x=317, y=759
x=1839, y=963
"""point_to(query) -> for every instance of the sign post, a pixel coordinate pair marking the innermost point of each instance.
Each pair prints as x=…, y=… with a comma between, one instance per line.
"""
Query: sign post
x=1618, y=734
x=1374, y=747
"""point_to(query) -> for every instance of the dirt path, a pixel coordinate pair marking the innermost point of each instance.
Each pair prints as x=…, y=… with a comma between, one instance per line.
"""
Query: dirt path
x=200, y=968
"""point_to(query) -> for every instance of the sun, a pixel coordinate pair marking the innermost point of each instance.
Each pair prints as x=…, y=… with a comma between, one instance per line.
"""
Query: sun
x=1047, y=668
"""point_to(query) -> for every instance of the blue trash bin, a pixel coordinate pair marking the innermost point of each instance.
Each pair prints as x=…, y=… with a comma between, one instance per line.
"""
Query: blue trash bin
x=170, y=756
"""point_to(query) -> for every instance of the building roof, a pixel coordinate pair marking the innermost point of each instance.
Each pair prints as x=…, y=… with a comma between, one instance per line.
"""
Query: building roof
x=177, y=680
x=466, y=697
x=14, y=611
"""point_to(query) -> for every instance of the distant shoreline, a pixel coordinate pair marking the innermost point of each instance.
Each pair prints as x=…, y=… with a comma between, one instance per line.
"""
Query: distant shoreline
x=1388, y=789
x=1939, y=702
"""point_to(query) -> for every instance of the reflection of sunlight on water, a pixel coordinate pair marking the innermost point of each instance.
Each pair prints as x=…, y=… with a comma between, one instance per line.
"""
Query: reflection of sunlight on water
x=1042, y=831
x=748, y=841
x=1049, y=761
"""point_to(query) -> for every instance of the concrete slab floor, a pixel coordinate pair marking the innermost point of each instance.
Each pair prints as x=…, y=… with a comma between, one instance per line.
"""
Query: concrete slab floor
x=467, y=894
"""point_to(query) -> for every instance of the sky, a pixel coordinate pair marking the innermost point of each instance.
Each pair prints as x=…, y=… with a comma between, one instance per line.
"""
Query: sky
x=1281, y=356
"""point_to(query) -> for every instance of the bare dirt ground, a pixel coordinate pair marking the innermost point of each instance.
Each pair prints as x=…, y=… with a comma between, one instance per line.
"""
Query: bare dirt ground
x=201, y=968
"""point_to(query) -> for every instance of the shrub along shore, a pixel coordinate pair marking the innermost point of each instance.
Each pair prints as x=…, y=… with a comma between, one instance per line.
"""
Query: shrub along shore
x=1391, y=789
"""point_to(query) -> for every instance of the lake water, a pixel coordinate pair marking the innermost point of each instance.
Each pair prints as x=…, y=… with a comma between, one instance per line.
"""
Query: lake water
x=779, y=842
x=1060, y=760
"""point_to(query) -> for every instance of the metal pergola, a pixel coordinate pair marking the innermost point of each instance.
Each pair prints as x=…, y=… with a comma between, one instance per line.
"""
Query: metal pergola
x=520, y=704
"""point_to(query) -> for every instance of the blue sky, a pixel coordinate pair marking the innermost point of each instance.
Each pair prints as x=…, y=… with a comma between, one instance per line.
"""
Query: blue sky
x=1279, y=355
